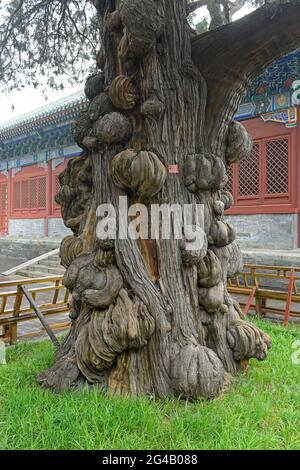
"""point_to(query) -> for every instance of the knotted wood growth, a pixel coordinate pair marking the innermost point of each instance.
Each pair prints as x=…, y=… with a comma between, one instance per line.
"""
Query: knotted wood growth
x=151, y=316
x=75, y=192
x=139, y=172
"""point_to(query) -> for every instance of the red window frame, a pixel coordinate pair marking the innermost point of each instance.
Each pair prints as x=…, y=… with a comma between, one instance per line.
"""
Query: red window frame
x=264, y=202
x=3, y=204
x=30, y=201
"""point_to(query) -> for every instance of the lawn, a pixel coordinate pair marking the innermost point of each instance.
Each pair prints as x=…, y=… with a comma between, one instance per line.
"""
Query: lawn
x=259, y=411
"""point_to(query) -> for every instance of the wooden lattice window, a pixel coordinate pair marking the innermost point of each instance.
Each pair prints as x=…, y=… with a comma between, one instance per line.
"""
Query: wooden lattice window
x=30, y=193
x=38, y=193
x=17, y=194
x=267, y=176
x=3, y=207
x=229, y=184
x=24, y=194
x=3, y=197
x=42, y=198
x=56, y=187
x=33, y=193
x=277, y=166
x=249, y=173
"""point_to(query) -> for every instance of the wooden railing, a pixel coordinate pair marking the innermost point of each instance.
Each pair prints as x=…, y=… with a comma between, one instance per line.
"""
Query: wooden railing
x=273, y=289
x=49, y=296
x=256, y=283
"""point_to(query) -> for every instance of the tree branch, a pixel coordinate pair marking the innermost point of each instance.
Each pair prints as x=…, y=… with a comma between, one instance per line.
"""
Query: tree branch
x=218, y=17
x=99, y=5
x=195, y=5
x=231, y=56
x=46, y=38
x=234, y=7
x=231, y=7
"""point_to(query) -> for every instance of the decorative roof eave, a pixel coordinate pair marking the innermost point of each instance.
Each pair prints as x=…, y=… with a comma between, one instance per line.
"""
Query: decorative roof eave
x=272, y=92
x=60, y=111
x=41, y=137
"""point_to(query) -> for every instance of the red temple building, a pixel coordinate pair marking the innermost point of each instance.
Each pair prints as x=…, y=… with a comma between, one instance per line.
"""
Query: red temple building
x=265, y=186
x=35, y=148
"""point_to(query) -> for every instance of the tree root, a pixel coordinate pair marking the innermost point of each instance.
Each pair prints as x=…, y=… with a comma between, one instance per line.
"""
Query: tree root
x=248, y=341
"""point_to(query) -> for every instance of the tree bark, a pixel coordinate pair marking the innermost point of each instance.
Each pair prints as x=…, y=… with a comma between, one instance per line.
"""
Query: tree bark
x=148, y=316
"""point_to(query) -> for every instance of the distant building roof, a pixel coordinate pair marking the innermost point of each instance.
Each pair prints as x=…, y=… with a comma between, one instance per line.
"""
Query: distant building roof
x=63, y=110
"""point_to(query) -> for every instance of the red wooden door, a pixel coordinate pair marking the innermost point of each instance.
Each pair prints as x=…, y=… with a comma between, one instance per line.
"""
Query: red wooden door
x=3, y=208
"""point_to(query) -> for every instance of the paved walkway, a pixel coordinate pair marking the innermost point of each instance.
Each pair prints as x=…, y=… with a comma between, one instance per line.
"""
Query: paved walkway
x=34, y=327
x=272, y=257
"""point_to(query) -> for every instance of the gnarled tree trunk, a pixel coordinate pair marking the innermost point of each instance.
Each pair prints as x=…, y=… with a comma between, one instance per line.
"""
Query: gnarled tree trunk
x=149, y=316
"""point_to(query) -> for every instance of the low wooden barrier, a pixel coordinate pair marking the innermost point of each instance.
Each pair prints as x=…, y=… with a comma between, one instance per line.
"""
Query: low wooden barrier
x=255, y=283
x=251, y=283
x=50, y=298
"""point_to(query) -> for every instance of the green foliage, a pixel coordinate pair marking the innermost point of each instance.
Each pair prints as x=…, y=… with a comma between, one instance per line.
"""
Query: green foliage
x=41, y=41
x=259, y=411
x=200, y=26
x=220, y=11
x=46, y=43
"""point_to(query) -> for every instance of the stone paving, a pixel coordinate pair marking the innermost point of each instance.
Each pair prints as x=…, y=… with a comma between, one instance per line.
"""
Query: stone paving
x=8, y=263
x=34, y=327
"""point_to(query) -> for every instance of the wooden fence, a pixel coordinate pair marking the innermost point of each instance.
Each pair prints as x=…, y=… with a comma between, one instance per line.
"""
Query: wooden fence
x=47, y=296
x=270, y=290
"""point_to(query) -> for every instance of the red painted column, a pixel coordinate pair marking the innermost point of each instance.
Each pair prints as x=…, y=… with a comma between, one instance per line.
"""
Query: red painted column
x=9, y=198
x=48, y=197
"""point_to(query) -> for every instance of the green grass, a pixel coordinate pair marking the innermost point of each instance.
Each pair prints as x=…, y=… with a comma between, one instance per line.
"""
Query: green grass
x=259, y=411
